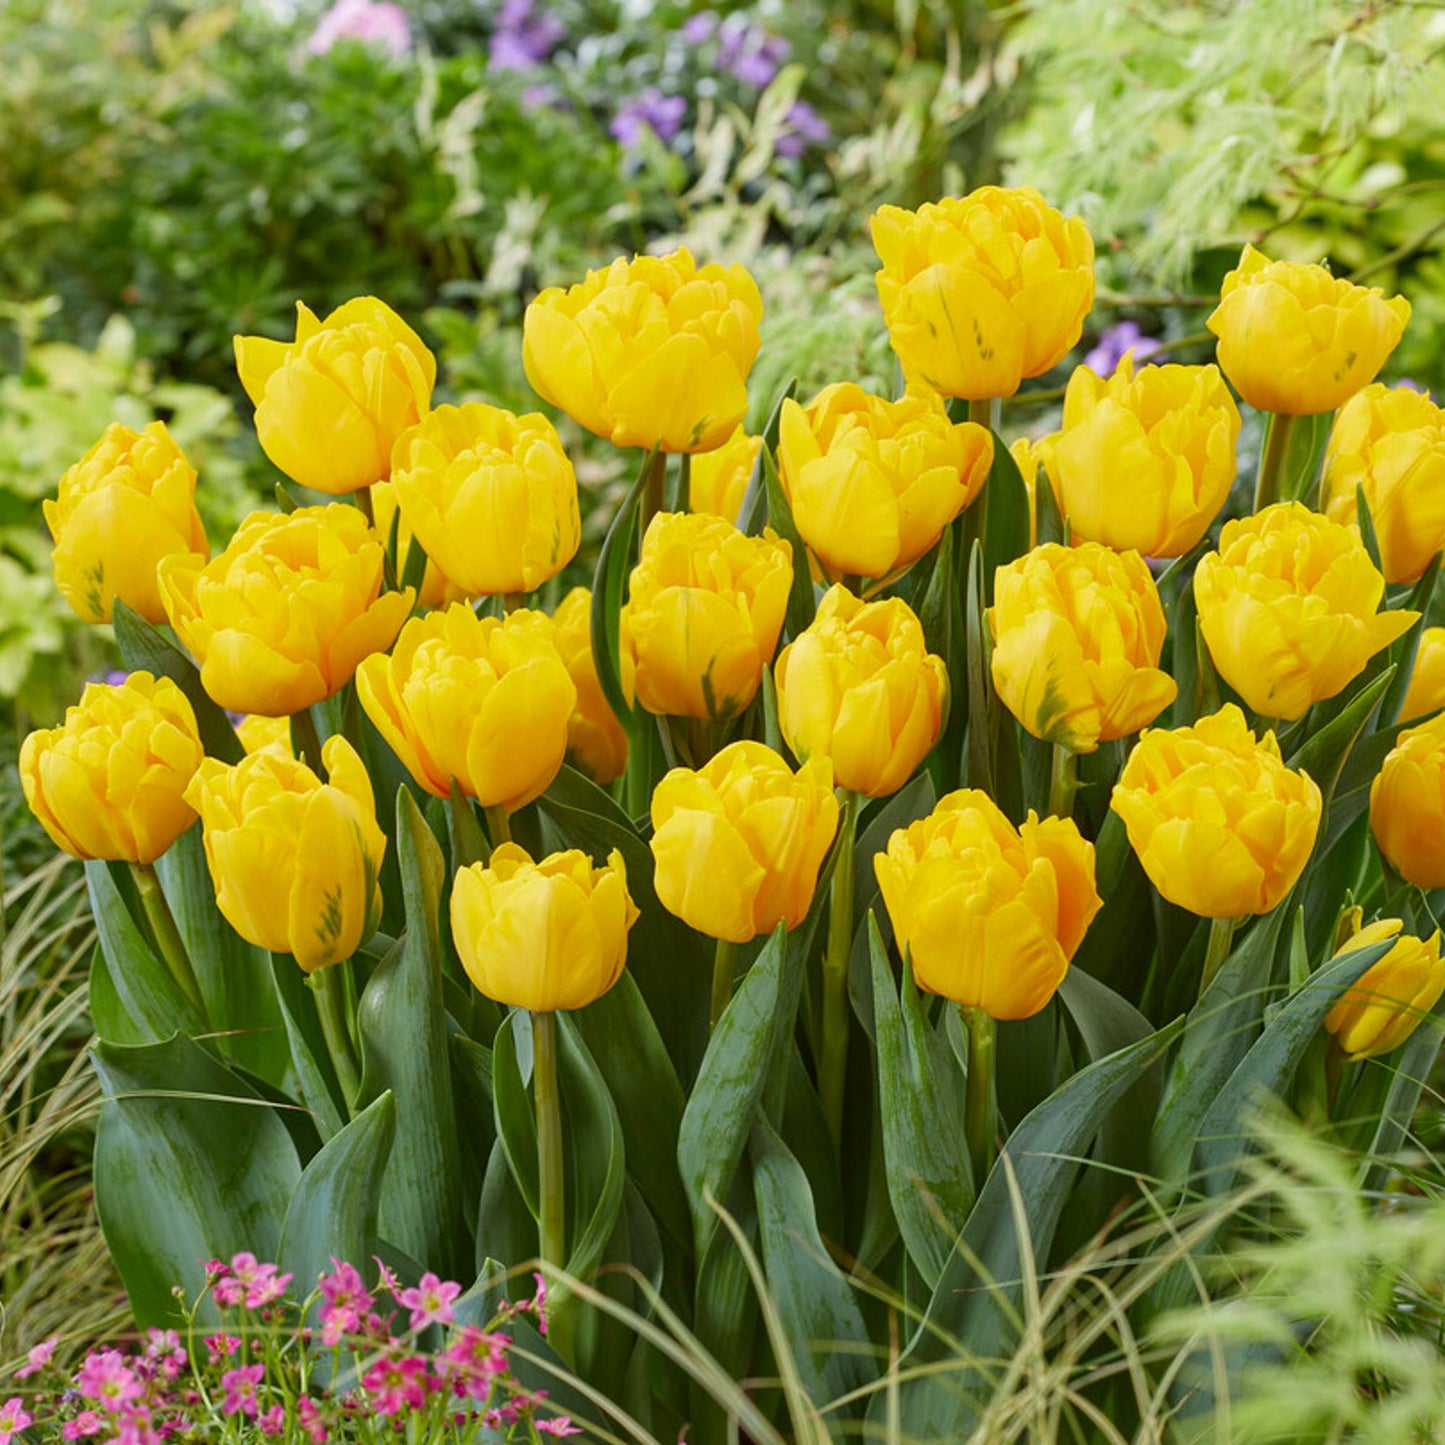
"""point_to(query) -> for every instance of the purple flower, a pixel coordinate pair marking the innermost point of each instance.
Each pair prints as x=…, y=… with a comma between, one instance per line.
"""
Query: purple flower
x=1114, y=341
x=698, y=29
x=750, y=53
x=370, y=22
x=524, y=36
x=802, y=127
x=662, y=113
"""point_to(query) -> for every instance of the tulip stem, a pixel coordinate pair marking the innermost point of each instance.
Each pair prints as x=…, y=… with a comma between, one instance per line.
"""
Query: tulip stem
x=307, y=741
x=1063, y=781
x=547, y=1100
x=167, y=936
x=363, y=505
x=978, y=1099
x=833, y=1066
x=329, y=986
x=1221, y=935
x=656, y=465
x=983, y=410
x=1270, y=478
x=499, y=830
x=724, y=965
x=513, y=601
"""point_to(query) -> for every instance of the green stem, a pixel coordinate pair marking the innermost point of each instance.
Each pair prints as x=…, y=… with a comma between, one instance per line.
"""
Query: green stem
x=512, y=601
x=499, y=830
x=1063, y=781
x=468, y=844
x=833, y=1066
x=362, y=497
x=983, y=410
x=329, y=987
x=167, y=936
x=978, y=1101
x=724, y=965
x=548, y=1103
x=1221, y=935
x=652, y=491
x=1335, y=1062
x=1272, y=456
x=307, y=741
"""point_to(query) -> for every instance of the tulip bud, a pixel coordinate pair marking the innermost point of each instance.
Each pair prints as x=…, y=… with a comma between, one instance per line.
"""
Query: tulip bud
x=982, y=290
x=475, y=699
x=596, y=741
x=873, y=483
x=718, y=480
x=1288, y=605
x=1407, y=805
x=860, y=688
x=283, y=616
x=1391, y=442
x=436, y=589
x=128, y=502
x=1077, y=636
x=652, y=352
x=294, y=861
x=705, y=607
x=266, y=734
x=1294, y=339
x=1426, y=692
x=738, y=843
x=1221, y=826
x=990, y=915
x=1377, y=1014
x=1145, y=459
x=491, y=497
x=1025, y=452
x=542, y=936
x=110, y=782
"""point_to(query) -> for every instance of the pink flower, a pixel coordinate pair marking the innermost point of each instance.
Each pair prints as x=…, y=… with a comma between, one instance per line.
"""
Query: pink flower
x=228, y=1292
x=240, y=1387
x=430, y=1302
x=538, y=1303
x=260, y=1283
x=387, y=1282
x=396, y=1384
x=106, y=1378
x=309, y=1418
x=273, y=1422
x=348, y=1302
x=473, y=1359
x=221, y=1347
x=85, y=1424
x=558, y=1425
x=13, y=1418
x=37, y=1359
x=135, y=1429
x=381, y=25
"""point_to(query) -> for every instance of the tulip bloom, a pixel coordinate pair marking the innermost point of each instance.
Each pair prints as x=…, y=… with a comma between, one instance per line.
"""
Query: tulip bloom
x=1407, y=805
x=1288, y=606
x=1025, y=452
x=738, y=843
x=1377, y=1014
x=1294, y=339
x=1145, y=459
x=481, y=701
x=596, y=741
x=1391, y=442
x=1077, y=636
x=128, y=502
x=989, y=915
x=111, y=781
x=436, y=589
x=260, y=734
x=982, y=290
x=873, y=483
x=705, y=608
x=490, y=496
x=542, y=936
x=1221, y=826
x=860, y=688
x=1426, y=692
x=652, y=352
x=294, y=860
x=283, y=616
x=718, y=480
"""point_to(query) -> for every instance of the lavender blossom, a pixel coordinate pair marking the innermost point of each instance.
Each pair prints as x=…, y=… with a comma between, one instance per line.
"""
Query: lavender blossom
x=524, y=36
x=802, y=127
x=699, y=29
x=370, y=22
x=1114, y=341
x=662, y=113
x=750, y=53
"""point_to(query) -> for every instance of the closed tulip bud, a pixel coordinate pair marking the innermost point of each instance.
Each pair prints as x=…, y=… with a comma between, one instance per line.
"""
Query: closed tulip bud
x=283, y=616
x=1077, y=635
x=982, y=290
x=1391, y=442
x=294, y=861
x=1025, y=452
x=1407, y=805
x=652, y=352
x=542, y=936
x=738, y=843
x=1426, y=692
x=989, y=914
x=1288, y=606
x=1145, y=459
x=436, y=589
x=1377, y=1014
x=705, y=609
x=476, y=699
x=490, y=496
x=331, y=404
x=873, y=483
x=596, y=741
x=1294, y=339
x=1221, y=826
x=111, y=781
x=718, y=480
x=860, y=688
x=266, y=734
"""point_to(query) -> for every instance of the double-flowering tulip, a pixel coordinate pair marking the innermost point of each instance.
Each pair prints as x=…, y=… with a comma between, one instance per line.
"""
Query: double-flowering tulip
x=111, y=781
x=1077, y=636
x=294, y=860
x=1294, y=339
x=1407, y=805
x=331, y=404
x=872, y=483
x=652, y=352
x=1221, y=825
x=283, y=616
x=1426, y=692
x=490, y=496
x=1377, y=1014
x=436, y=588
x=596, y=740
x=989, y=914
x=718, y=480
x=128, y=502
x=1288, y=606
x=983, y=290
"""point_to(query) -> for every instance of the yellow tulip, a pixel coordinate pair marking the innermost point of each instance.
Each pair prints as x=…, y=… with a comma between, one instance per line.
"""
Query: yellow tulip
x=1288, y=607
x=266, y=734
x=128, y=502
x=110, y=782
x=490, y=496
x=1221, y=826
x=1145, y=459
x=989, y=914
x=718, y=480
x=873, y=483
x=1391, y=442
x=542, y=936
x=652, y=352
x=596, y=741
x=294, y=861
x=482, y=701
x=436, y=589
x=1025, y=452
x=283, y=616
x=331, y=404
x=982, y=290
x=1377, y=1014
x=1407, y=805
x=738, y=843
x=1077, y=635
x=703, y=616
x=860, y=688
x=1294, y=339
x=1426, y=692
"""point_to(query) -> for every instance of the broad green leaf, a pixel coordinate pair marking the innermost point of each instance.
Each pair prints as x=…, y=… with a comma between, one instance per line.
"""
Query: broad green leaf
x=111, y=1020
x=596, y=1155
x=1404, y=649
x=1006, y=520
x=1324, y=753
x=978, y=755
x=1406, y=1071
x=1049, y=521
x=513, y=1112
x=506, y=1226
x=316, y=1079
x=609, y=590
x=1366, y=521
x=753, y=514
x=801, y=602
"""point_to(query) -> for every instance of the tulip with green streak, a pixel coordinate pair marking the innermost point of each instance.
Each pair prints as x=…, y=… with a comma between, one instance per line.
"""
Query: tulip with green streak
x=1407, y=805
x=1378, y=1013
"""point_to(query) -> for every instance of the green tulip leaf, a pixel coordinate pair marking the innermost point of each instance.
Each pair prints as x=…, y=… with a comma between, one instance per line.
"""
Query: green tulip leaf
x=801, y=603
x=316, y=1080
x=1051, y=525
x=1324, y=753
x=609, y=592
x=596, y=1154
x=513, y=1113
x=978, y=752
x=1404, y=1082
x=506, y=1223
x=1006, y=518
x=753, y=514
x=1403, y=650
